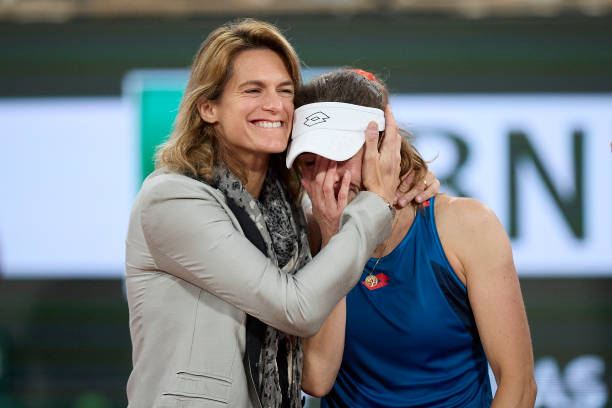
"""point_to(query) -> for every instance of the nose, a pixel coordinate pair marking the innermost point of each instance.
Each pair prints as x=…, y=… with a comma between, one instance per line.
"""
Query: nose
x=272, y=102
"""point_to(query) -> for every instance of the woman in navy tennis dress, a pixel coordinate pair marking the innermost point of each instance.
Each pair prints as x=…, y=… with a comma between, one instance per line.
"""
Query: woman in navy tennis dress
x=439, y=301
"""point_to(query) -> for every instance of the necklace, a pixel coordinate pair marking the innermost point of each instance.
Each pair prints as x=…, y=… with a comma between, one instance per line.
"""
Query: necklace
x=371, y=280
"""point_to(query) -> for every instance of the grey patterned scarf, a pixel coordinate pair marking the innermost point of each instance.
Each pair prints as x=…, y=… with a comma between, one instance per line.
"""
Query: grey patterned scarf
x=283, y=228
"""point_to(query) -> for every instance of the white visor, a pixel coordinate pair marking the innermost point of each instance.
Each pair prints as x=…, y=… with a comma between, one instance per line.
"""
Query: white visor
x=333, y=130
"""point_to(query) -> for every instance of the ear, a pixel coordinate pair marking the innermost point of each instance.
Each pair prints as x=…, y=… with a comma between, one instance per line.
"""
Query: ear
x=207, y=110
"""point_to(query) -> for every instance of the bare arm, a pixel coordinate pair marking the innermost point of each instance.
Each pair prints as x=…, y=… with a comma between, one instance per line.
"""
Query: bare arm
x=323, y=353
x=480, y=252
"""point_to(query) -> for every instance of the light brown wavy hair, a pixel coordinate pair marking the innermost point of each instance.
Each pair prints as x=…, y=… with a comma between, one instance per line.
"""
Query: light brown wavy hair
x=347, y=86
x=194, y=147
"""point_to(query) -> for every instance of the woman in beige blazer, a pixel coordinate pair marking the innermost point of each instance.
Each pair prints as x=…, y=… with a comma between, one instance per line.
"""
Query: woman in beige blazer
x=219, y=279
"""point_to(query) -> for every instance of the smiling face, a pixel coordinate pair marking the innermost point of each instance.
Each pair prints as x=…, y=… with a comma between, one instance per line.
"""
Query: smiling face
x=253, y=116
x=306, y=163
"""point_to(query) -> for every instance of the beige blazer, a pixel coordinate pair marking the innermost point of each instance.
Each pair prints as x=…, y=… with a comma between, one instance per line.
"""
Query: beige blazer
x=192, y=276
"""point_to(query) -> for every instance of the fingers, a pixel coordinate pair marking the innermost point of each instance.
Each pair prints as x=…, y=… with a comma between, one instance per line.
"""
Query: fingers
x=404, y=193
x=429, y=177
x=344, y=189
x=431, y=190
x=389, y=118
x=392, y=137
x=369, y=169
x=423, y=189
x=317, y=179
x=320, y=186
x=320, y=168
x=404, y=185
x=403, y=188
x=392, y=142
x=371, y=142
x=431, y=186
x=313, y=184
x=328, y=184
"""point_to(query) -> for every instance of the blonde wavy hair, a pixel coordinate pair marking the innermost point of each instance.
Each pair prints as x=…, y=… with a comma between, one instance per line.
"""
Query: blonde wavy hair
x=194, y=147
x=347, y=85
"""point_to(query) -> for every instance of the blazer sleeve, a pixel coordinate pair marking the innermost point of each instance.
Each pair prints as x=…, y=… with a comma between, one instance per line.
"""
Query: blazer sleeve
x=190, y=235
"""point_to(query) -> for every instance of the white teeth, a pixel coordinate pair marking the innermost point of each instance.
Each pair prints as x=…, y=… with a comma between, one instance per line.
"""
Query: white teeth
x=265, y=124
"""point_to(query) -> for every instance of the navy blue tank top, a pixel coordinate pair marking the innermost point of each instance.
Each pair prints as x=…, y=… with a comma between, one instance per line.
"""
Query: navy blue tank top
x=411, y=341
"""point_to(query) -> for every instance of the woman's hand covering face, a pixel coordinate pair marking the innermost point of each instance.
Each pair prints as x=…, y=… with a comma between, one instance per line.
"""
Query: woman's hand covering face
x=326, y=207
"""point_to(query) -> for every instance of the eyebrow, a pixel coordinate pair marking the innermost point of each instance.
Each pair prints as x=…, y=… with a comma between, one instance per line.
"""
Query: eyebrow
x=261, y=84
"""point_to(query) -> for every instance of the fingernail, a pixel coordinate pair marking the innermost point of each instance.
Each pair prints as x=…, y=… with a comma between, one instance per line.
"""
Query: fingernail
x=419, y=198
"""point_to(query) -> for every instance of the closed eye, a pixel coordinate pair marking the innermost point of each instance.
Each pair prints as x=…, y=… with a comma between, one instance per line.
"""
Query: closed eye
x=307, y=160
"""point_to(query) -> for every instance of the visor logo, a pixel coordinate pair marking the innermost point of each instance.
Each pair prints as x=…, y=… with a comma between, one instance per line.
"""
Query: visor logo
x=315, y=118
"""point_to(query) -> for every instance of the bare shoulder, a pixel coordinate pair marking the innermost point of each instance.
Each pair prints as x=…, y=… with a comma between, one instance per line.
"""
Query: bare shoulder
x=463, y=213
x=470, y=233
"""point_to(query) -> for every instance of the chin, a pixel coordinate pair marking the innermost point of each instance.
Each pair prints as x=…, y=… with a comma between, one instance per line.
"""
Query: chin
x=277, y=147
x=274, y=149
x=281, y=148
